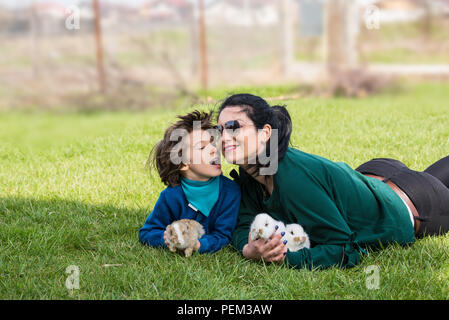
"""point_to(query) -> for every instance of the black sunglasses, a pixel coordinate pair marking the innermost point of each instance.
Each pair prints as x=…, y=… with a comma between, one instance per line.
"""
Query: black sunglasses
x=231, y=127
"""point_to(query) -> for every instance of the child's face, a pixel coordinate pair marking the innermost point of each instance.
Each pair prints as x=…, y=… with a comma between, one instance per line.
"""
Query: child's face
x=204, y=160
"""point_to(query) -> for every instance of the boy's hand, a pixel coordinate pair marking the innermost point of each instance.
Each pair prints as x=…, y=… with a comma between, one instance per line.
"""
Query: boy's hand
x=165, y=238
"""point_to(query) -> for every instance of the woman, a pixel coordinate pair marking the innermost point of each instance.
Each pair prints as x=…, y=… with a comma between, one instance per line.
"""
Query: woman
x=343, y=210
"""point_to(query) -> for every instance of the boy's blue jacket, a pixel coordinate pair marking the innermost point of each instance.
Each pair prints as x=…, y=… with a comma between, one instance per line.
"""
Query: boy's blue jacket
x=172, y=205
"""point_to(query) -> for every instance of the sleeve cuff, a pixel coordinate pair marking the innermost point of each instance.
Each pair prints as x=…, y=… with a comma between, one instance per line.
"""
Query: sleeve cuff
x=297, y=259
x=204, y=245
x=163, y=241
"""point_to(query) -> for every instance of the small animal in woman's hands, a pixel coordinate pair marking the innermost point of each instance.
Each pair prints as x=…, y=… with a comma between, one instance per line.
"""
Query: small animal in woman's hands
x=264, y=226
x=297, y=238
x=183, y=235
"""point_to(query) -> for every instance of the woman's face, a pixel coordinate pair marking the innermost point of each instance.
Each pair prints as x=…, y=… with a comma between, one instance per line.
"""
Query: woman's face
x=241, y=146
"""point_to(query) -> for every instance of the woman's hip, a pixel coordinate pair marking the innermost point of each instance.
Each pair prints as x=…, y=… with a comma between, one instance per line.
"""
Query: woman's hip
x=428, y=195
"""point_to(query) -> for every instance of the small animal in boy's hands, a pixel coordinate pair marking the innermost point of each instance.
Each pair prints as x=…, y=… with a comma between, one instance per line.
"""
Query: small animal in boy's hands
x=183, y=235
x=297, y=238
x=262, y=227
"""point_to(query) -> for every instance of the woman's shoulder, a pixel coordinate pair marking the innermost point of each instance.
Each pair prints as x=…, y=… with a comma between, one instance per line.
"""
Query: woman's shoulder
x=294, y=160
x=298, y=159
x=301, y=156
x=302, y=168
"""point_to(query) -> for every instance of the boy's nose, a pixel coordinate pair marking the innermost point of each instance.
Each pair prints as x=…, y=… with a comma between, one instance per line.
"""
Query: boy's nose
x=214, y=153
x=213, y=148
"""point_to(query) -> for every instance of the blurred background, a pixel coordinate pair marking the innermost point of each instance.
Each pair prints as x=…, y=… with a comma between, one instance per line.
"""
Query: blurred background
x=138, y=54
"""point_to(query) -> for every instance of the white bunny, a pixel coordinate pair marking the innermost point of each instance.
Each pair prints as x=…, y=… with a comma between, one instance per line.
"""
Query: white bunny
x=296, y=237
x=264, y=226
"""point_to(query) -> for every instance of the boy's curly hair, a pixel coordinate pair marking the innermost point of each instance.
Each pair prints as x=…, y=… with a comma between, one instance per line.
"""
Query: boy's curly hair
x=160, y=154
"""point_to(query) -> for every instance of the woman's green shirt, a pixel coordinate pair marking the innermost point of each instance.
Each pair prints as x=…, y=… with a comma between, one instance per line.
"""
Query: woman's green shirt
x=342, y=210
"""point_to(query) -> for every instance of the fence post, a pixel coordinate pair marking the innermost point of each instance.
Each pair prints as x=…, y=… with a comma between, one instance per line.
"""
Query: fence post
x=341, y=35
x=35, y=52
x=203, y=47
x=287, y=40
x=99, y=46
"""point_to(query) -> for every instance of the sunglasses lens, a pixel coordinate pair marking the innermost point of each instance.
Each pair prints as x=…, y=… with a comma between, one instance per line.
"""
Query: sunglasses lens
x=230, y=126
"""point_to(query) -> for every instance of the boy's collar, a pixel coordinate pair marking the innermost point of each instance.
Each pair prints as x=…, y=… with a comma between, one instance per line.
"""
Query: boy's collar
x=197, y=183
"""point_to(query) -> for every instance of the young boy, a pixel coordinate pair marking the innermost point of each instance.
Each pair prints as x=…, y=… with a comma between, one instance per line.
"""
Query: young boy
x=189, y=164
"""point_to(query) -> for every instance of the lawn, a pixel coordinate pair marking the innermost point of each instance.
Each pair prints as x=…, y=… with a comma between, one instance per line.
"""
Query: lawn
x=74, y=192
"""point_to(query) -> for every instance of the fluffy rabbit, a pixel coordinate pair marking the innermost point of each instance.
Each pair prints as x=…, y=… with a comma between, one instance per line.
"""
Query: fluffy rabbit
x=264, y=226
x=183, y=235
x=296, y=237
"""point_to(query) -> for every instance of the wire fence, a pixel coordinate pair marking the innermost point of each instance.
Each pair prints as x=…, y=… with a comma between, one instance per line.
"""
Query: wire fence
x=151, y=52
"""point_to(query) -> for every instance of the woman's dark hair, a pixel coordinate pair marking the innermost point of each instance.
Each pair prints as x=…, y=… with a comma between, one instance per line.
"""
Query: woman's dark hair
x=261, y=113
x=160, y=155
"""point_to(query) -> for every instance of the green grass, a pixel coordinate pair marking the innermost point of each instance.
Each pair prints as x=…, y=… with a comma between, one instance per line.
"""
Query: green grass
x=74, y=191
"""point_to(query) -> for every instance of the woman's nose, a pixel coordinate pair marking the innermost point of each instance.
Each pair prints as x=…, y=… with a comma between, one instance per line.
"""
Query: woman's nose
x=225, y=136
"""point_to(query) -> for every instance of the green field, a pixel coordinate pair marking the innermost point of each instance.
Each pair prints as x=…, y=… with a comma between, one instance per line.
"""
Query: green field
x=74, y=191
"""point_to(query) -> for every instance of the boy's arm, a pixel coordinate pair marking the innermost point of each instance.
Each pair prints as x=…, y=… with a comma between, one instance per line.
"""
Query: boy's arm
x=152, y=233
x=224, y=226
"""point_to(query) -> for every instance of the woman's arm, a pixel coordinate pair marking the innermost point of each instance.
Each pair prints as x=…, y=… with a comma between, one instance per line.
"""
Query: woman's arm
x=324, y=256
x=316, y=211
x=269, y=251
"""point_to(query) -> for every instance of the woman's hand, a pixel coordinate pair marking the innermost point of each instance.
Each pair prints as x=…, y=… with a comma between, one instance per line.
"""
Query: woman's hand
x=271, y=250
